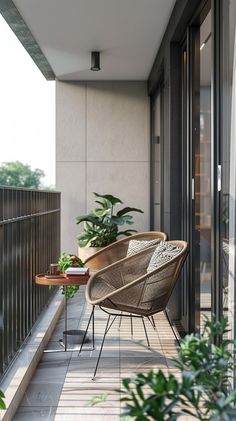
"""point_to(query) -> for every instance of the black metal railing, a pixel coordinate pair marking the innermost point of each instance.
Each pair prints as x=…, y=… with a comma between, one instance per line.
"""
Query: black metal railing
x=29, y=242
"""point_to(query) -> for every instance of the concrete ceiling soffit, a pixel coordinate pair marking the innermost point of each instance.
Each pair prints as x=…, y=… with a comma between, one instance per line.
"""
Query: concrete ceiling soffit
x=19, y=27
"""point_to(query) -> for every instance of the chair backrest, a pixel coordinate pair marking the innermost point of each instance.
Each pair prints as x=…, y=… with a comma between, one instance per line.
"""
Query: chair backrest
x=151, y=293
x=159, y=286
x=118, y=250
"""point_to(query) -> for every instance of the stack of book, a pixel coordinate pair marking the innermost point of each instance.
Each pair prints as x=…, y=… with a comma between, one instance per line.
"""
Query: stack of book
x=70, y=272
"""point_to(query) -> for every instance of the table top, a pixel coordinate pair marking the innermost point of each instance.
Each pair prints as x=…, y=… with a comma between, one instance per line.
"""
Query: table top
x=61, y=280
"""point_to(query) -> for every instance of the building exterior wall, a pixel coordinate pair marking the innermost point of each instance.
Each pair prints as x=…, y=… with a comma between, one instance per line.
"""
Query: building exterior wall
x=102, y=145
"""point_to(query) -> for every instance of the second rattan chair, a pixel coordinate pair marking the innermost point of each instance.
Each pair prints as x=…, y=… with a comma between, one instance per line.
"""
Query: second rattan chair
x=118, y=250
x=127, y=287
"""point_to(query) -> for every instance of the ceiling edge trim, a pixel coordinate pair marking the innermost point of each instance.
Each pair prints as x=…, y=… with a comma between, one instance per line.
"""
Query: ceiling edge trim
x=13, y=18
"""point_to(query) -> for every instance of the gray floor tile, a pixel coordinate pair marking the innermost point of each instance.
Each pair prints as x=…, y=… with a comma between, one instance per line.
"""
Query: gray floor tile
x=42, y=394
x=35, y=414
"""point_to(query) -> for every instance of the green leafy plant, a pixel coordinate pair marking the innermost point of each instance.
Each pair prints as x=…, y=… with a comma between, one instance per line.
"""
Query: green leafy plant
x=101, y=224
x=65, y=261
x=97, y=399
x=202, y=390
x=2, y=403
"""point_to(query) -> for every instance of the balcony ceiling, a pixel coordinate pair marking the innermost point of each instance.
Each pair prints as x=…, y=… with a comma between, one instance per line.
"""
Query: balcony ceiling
x=127, y=32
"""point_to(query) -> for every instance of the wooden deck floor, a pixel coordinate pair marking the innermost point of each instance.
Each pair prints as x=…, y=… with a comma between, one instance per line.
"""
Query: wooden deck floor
x=62, y=389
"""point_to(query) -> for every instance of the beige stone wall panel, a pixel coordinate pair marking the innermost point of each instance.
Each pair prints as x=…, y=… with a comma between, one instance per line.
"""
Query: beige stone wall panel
x=102, y=145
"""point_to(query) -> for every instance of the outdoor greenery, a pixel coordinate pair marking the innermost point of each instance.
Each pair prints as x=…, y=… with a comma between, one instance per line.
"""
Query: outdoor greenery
x=16, y=174
x=202, y=390
x=66, y=261
x=101, y=224
x=2, y=403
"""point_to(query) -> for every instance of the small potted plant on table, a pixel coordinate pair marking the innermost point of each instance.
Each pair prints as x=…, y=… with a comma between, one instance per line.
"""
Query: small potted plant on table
x=66, y=261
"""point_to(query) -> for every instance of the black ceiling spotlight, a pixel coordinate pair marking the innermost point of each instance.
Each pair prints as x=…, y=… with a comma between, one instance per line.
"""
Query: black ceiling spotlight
x=95, y=61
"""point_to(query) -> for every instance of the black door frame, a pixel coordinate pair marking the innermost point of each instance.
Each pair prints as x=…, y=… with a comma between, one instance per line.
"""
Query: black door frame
x=192, y=49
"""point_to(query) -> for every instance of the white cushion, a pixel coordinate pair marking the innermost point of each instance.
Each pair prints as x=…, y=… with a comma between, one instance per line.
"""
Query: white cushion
x=138, y=245
x=162, y=254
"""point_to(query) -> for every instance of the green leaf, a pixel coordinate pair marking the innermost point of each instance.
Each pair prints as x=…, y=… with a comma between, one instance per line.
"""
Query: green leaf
x=82, y=243
x=2, y=403
x=118, y=221
x=89, y=218
x=127, y=210
x=101, y=212
x=97, y=399
x=140, y=392
x=126, y=383
x=114, y=200
x=70, y=290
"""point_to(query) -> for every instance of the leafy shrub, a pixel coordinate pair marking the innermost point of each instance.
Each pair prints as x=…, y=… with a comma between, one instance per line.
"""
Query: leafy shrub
x=203, y=390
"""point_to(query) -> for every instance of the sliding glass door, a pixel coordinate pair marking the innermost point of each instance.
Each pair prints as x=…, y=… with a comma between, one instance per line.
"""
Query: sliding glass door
x=200, y=166
x=209, y=176
x=202, y=161
x=197, y=153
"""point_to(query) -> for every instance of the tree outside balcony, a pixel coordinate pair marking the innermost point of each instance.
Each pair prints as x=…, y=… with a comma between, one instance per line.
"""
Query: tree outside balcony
x=17, y=174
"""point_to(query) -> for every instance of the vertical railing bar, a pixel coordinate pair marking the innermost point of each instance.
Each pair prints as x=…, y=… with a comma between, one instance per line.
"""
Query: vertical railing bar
x=1, y=301
x=14, y=280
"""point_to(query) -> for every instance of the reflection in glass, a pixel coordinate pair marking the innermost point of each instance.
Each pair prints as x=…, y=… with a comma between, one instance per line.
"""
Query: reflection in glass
x=203, y=170
x=157, y=162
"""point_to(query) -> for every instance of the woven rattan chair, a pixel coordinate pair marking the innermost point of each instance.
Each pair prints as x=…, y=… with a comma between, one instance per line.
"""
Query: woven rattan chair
x=125, y=286
x=118, y=250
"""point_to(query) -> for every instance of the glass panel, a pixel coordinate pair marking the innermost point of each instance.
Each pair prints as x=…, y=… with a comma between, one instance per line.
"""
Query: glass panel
x=185, y=199
x=203, y=170
x=228, y=227
x=157, y=162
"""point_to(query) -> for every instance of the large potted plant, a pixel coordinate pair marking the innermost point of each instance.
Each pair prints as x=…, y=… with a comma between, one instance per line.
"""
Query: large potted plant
x=101, y=225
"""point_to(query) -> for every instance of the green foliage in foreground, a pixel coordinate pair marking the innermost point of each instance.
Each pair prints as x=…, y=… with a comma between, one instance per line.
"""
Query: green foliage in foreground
x=2, y=403
x=202, y=390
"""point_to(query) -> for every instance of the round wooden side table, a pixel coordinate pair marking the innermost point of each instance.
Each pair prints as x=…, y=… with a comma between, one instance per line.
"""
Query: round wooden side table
x=64, y=281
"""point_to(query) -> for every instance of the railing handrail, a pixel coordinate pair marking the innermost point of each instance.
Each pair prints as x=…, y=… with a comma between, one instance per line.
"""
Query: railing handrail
x=29, y=189
x=32, y=215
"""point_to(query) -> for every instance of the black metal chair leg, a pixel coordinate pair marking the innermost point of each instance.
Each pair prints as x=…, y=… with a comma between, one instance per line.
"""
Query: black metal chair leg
x=145, y=330
x=171, y=326
x=93, y=327
x=131, y=326
x=86, y=331
x=153, y=321
x=100, y=352
x=120, y=320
